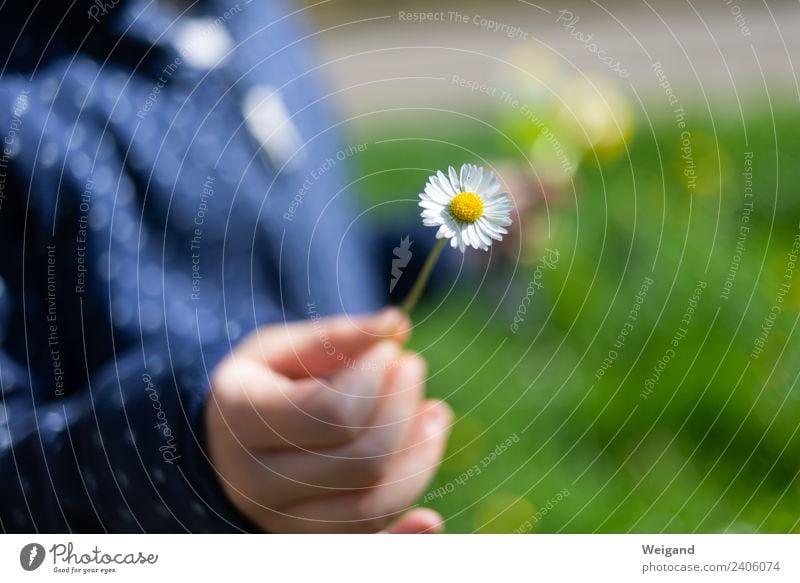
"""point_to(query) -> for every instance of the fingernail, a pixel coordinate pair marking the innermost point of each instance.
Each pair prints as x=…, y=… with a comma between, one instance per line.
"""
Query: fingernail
x=414, y=363
x=377, y=356
x=438, y=417
x=389, y=321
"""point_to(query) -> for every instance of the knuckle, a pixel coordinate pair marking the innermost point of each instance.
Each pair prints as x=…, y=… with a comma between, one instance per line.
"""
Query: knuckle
x=340, y=415
x=370, y=461
x=342, y=412
x=370, y=470
x=376, y=444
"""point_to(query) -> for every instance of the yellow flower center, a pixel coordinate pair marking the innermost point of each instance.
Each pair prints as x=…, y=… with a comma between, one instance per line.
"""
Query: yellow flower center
x=466, y=207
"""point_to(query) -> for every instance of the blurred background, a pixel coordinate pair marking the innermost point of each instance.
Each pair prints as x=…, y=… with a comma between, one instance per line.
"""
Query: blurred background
x=628, y=362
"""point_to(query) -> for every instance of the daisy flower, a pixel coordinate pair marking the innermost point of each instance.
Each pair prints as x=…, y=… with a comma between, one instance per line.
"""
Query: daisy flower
x=470, y=210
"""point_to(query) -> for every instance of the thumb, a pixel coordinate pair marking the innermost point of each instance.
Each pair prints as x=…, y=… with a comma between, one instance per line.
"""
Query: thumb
x=419, y=521
x=323, y=345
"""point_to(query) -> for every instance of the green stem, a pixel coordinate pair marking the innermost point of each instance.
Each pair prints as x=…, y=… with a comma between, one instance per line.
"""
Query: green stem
x=422, y=279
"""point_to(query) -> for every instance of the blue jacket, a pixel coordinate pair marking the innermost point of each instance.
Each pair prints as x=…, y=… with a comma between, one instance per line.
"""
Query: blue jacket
x=145, y=228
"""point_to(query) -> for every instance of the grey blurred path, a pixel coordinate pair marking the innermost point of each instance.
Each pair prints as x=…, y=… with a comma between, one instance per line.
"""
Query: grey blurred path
x=384, y=56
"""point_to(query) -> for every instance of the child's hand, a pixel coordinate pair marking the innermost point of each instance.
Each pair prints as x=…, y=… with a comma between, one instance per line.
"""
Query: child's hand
x=321, y=426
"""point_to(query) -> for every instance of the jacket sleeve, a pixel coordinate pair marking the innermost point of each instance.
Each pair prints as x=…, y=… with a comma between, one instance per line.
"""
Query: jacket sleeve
x=125, y=453
x=97, y=433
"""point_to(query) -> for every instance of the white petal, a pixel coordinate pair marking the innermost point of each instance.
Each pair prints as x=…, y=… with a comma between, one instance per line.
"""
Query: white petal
x=454, y=180
x=431, y=193
x=494, y=231
x=502, y=221
x=495, y=209
x=464, y=176
x=433, y=215
x=489, y=185
x=499, y=198
x=458, y=240
x=488, y=176
x=435, y=193
x=445, y=232
x=488, y=230
x=450, y=222
x=469, y=237
x=489, y=224
x=432, y=221
x=483, y=236
x=479, y=239
x=429, y=214
x=492, y=189
x=444, y=184
x=475, y=178
x=499, y=223
x=430, y=204
x=496, y=197
x=465, y=235
x=472, y=236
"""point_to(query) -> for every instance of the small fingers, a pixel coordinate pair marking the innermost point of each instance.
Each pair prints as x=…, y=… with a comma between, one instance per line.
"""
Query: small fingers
x=320, y=346
x=374, y=509
x=265, y=410
x=289, y=476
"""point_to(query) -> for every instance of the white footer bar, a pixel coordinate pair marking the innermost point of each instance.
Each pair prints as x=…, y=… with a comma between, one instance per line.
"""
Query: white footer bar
x=394, y=558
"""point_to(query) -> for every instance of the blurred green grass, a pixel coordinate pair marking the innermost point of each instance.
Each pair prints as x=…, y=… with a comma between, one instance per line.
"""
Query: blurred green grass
x=716, y=445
